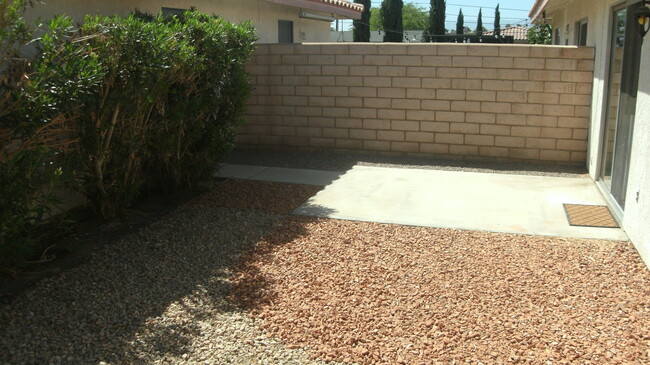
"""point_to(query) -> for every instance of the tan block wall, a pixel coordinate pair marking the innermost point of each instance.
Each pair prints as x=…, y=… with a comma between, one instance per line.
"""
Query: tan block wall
x=475, y=102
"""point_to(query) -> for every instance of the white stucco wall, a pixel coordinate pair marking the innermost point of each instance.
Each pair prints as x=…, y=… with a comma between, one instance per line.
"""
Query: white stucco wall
x=636, y=218
x=262, y=14
x=637, y=210
x=598, y=14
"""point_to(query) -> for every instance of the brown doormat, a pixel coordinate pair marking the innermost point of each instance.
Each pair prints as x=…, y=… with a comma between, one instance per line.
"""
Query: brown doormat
x=590, y=216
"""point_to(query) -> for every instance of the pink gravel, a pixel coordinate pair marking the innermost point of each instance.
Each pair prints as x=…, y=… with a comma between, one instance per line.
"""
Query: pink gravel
x=385, y=294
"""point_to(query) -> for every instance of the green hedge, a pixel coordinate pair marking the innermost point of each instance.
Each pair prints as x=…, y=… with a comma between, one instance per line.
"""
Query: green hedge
x=116, y=106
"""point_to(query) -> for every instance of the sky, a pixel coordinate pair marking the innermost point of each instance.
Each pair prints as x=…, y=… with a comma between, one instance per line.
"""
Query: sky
x=512, y=11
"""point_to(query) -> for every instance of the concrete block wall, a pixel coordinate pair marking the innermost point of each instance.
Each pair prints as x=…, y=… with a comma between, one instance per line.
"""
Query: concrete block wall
x=474, y=102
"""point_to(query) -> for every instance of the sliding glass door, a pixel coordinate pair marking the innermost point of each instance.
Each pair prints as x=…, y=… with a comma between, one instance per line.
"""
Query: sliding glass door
x=621, y=104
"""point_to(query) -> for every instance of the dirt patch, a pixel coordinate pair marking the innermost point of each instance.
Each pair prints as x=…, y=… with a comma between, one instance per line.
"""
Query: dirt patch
x=279, y=198
x=377, y=293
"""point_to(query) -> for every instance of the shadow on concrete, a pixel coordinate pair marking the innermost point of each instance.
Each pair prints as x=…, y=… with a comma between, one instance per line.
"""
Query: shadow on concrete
x=342, y=161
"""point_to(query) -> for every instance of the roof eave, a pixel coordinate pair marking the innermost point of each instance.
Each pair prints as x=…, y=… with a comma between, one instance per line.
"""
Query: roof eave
x=536, y=10
x=352, y=12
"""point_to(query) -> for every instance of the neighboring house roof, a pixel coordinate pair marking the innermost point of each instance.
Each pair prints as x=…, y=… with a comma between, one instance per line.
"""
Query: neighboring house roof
x=518, y=32
x=342, y=8
x=375, y=36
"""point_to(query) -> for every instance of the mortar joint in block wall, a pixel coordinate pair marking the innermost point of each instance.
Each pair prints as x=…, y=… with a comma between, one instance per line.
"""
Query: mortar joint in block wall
x=499, y=102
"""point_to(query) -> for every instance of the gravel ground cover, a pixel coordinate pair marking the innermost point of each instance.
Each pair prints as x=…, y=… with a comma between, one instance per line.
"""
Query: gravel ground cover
x=387, y=294
x=265, y=196
x=156, y=296
x=229, y=278
x=341, y=161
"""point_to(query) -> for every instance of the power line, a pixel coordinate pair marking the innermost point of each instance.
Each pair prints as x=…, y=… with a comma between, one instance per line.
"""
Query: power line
x=398, y=32
x=474, y=6
x=452, y=15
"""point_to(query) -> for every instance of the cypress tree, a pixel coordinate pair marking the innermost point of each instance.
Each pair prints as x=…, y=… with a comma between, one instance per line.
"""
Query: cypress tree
x=436, y=22
x=497, y=21
x=460, y=23
x=479, y=23
x=391, y=20
x=441, y=28
x=361, y=31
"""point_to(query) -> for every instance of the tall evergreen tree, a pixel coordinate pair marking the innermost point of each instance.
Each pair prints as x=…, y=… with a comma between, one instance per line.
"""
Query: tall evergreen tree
x=441, y=28
x=479, y=23
x=436, y=22
x=391, y=20
x=361, y=31
x=460, y=23
x=497, y=21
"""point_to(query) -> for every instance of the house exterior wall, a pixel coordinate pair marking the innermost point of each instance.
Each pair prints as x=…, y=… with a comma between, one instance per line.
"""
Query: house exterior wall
x=636, y=220
x=489, y=102
x=262, y=14
x=636, y=217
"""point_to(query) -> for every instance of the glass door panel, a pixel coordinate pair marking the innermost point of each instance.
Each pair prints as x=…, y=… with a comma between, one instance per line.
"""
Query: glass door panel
x=622, y=92
x=614, y=91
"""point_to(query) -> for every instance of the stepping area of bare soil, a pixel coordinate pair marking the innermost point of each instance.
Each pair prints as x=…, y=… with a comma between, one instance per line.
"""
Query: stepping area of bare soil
x=232, y=278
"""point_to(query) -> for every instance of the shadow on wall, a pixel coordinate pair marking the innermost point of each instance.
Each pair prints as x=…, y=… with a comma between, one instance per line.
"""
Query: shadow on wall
x=343, y=161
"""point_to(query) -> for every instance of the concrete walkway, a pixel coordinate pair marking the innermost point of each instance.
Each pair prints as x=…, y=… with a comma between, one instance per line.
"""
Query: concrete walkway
x=444, y=199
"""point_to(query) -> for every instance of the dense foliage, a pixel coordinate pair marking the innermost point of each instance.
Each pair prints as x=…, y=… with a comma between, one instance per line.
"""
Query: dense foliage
x=413, y=18
x=460, y=23
x=116, y=106
x=35, y=130
x=497, y=21
x=436, y=20
x=479, y=23
x=361, y=31
x=540, y=34
x=391, y=20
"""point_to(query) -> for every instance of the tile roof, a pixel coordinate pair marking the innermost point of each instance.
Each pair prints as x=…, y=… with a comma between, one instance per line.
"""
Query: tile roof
x=518, y=32
x=342, y=3
x=343, y=8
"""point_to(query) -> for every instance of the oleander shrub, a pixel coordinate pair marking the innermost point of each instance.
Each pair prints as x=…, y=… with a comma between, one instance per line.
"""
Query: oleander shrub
x=166, y=107
x=174, y=92
x=36, y=131
x=112, y=107
x=205, y=102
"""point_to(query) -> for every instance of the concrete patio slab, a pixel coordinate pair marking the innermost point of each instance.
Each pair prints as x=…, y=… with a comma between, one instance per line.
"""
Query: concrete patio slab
x=279, y=174
x=464, y=200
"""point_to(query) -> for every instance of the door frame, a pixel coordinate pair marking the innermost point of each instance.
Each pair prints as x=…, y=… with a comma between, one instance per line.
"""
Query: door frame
x=617, y=211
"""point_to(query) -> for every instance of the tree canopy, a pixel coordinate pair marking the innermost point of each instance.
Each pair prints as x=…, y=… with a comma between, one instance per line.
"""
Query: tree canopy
x=479, y=23
x=361, y=31
x=413, y=18
x=391, y=20
x=460, y=23
x=540, y=34
x=436, y=20
x=497, y=21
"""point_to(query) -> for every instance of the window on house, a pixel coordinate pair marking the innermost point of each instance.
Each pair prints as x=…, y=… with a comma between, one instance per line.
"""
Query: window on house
x=172, y=11
x=581, y=33
x=285, y=31
x=556, y=38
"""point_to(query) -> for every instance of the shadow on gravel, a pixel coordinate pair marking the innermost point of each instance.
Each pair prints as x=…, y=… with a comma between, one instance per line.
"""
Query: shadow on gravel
x=251, y=287
x=141, y=299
